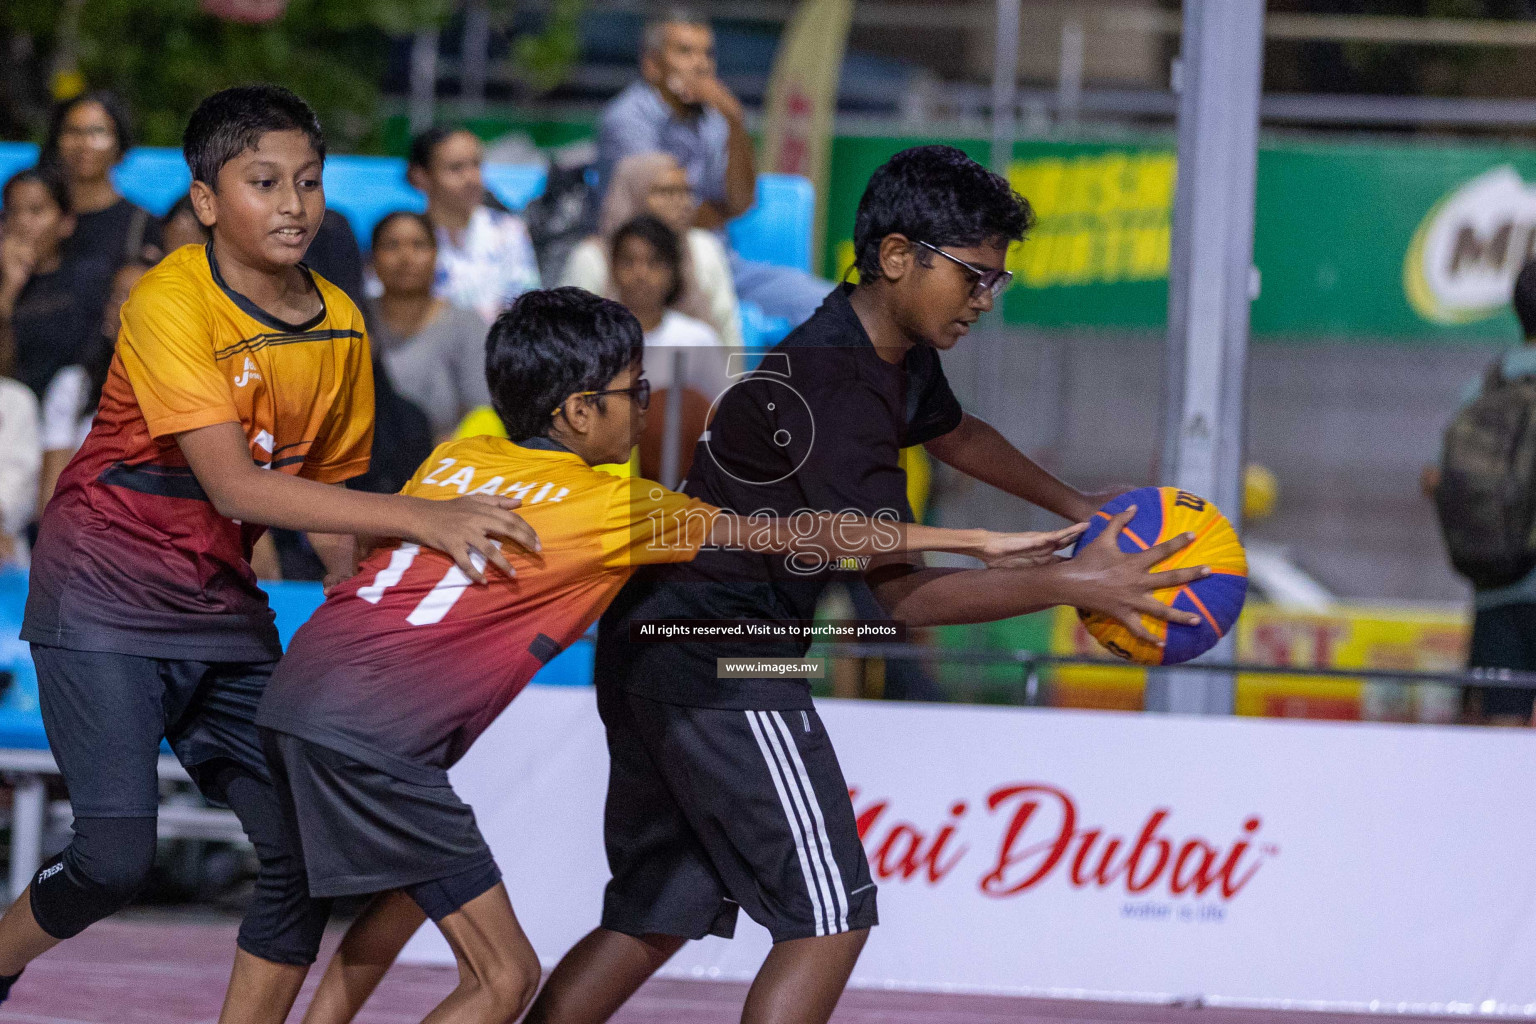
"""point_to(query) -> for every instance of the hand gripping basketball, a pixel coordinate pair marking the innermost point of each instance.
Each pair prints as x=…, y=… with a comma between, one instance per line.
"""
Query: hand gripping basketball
x=1178, y=533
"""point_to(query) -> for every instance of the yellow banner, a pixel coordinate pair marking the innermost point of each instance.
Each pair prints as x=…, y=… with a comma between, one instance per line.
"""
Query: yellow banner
x=802, y=96
x=1102, y=218
x=1380, y=638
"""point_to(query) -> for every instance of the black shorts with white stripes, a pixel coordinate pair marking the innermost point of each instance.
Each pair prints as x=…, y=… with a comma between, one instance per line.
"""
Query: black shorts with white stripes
x=710, y=809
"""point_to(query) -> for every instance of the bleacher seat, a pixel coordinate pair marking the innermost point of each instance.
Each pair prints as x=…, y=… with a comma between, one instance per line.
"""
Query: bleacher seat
x=153, y=177
x=781, y=224
x=516, y=185
x=362, y=188
x=14, y=156
x=21, y=720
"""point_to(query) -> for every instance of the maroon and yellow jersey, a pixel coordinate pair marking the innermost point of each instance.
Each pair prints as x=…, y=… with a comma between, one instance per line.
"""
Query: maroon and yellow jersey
x=405, y=664
x=132, y=557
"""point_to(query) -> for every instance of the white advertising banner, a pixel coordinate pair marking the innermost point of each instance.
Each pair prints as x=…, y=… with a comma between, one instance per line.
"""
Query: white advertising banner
x=1104, y=855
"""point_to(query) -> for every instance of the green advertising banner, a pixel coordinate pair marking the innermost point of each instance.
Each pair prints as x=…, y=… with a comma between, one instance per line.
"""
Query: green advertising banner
x=1358, y=240
x=1361, y=240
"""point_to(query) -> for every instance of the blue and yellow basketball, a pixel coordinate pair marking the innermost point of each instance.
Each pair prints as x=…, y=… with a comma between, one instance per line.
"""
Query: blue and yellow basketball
x=1161, y=513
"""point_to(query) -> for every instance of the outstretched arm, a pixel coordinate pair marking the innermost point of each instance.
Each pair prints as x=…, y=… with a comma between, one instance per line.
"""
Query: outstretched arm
x=976, y=449
x=848, y=533
x=1101, y=578
x=220, y=458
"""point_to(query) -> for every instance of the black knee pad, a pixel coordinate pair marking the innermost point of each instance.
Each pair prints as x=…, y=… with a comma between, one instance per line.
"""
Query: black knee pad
x=283, y=923
x=101, y=869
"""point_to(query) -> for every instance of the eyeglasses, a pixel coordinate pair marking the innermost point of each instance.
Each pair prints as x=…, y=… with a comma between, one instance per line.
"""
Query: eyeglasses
x=988, y=281
x=640, y=391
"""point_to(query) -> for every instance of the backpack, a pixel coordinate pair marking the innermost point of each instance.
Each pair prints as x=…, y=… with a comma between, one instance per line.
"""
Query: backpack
x=1486, y=499
x=561, y=217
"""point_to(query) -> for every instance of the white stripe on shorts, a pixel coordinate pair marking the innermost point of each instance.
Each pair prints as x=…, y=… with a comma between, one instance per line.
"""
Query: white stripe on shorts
x=779, y=773
x=840, y=896
x=801, y=794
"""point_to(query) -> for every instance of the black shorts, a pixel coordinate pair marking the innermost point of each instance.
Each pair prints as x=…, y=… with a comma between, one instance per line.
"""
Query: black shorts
x=363, y=830
x=710, y=809
x=1503, y=636
x=106, y=713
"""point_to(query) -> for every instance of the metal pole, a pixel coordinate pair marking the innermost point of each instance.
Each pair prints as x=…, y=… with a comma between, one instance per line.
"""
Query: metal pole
x=672, y=422
x=474, y=52
x=1005, y=85
x=423, y=106
x=1069, y=71
x=1211, y=282
x=29, y=819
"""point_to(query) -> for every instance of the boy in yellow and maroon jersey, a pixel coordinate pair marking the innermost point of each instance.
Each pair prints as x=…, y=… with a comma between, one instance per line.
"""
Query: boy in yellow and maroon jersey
x=240, y=388
x=395, y=676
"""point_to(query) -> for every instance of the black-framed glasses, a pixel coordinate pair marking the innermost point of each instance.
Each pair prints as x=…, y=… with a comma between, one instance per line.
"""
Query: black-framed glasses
x=640, y=391
x=988, y=281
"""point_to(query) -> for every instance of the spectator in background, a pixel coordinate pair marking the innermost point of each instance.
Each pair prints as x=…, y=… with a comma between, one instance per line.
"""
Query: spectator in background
x=680, y=107
x=434, y=351
x=180, y=226
x=655, y=184
x=19, y=460
x=334, y=255
x=485, y=256
x=50, y=303
x=69, y=403
x=1504, y=618
x=87, y=137
x=648, y=278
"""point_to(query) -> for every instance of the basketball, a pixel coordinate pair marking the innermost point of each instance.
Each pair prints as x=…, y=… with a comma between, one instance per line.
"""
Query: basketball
x=1162, y=513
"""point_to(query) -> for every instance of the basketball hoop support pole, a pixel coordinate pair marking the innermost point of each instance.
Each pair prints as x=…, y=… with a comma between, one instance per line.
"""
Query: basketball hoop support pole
x=1211, y=284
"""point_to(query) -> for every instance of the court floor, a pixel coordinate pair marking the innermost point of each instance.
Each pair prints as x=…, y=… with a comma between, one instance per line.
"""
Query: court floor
x=148, y=967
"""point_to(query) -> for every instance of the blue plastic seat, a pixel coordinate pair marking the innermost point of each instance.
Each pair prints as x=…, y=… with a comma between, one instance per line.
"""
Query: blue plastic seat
x=15, y=156
x=153, y=177
x=21, y=719
x=779, y=228
x=516, y=185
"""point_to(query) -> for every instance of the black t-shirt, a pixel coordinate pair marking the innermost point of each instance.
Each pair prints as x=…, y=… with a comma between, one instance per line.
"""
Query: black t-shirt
x=121, y=232
x=819, y=426
x=57, y=318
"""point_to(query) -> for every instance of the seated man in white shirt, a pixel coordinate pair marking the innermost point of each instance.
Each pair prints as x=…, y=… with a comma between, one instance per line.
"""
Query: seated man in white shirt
x=485, y=256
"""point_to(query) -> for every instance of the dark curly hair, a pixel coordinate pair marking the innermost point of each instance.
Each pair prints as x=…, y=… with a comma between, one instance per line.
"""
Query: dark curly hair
x=550, y=344
x=938, y=195
x=46, y=175
x=420, y=219
x=661, y=238
x=230, y=122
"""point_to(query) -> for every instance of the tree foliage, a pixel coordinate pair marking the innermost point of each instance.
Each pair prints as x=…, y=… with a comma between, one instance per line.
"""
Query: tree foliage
x=163, y=56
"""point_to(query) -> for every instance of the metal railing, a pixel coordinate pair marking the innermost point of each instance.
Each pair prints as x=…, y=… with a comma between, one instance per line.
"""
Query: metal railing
x=1032, y=664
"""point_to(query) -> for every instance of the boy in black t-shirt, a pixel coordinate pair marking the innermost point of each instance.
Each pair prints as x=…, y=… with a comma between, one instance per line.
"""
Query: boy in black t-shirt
x=727, y=793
